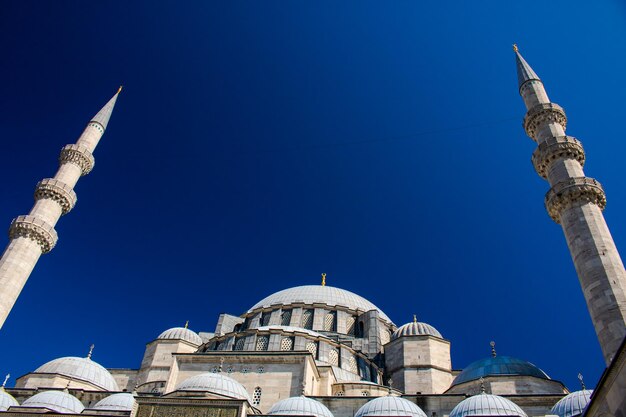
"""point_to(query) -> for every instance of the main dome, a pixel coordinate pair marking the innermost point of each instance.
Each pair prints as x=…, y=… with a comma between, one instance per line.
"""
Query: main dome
x=390, y=406
x=319, y=294
x=81, y=369
x=500, y=365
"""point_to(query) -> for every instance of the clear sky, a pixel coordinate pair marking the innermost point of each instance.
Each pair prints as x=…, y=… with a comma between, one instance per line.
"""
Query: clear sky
x=259, y=144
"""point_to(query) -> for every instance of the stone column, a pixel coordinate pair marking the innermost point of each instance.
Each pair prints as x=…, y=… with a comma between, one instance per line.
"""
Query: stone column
x=32, y=235
x=576, y=201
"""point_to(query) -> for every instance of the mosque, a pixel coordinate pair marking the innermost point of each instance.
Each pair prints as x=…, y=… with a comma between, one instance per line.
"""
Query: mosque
x=322, y=351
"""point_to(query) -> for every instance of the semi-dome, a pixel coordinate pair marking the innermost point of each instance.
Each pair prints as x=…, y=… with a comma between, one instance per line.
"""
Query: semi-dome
x=390, y=406
x=80, y=369
x=181, y=333
x=499, y=365
x=118, y=402
x=573, y=404
x=319, y=294
x=215, y=383
x=299, y=406
x=59, y=401
x=486, y=405
x=6, y=400
x=416, y=328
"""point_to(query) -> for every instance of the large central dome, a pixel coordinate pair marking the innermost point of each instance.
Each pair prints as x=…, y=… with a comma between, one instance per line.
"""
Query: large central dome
x=319, y=294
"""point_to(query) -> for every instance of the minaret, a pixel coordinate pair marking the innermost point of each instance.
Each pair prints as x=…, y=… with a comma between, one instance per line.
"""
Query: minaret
x=576, y=202
x=33, y=234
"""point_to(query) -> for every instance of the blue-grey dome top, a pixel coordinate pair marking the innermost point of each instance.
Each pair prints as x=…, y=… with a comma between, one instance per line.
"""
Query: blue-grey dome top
x=486, y=405
x=299, y=406
x=390, y=406
x=500, y=365
x=573, y=404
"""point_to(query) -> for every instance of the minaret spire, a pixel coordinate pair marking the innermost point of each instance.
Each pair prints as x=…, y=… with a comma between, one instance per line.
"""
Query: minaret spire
x=32, y=235
x=576, y=201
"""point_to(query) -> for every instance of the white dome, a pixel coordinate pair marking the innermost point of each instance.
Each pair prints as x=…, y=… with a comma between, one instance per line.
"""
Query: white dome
x=486, y=405
x=118, y=402
x=215, y=383
x=573, y=404
x=416, y=328
x=390, y=406
x=59, y=401
x=6, y=400
x=81, y=369
x=319, y=294
x=181, y=333
x=299, y=406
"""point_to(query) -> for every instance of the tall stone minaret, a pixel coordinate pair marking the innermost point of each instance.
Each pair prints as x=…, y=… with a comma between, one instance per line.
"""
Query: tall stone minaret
x=576, y=203
x=34, y=234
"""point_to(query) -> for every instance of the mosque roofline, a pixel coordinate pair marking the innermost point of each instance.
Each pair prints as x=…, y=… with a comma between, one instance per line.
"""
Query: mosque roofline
x=603, y=386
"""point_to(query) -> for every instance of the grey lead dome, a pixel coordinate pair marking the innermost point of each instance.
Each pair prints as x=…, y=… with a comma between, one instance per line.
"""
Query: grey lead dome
x=416, y=329
x=487, y=405
x=390, y=406
x=181, y=333
x=300, y=406
x=58, y=401
x=81, y=369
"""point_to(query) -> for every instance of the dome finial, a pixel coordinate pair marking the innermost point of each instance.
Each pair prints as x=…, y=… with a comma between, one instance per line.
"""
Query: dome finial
x=415, y=318
x=493, y=348
x=390, y=386
x=6, y=378
x=90, y=351
x=323, y=279
x=515, y=49
x=187, y=324
x=582, y=382
x=482, y=385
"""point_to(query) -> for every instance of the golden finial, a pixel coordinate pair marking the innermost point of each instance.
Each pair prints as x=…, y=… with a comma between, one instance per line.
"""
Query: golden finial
x=119, y=90
x=6, y=378
x=515, y=47
x=415, y=318
x=493, y=348
x=482, y=385
x=90, y=351
x=580, y=378
x=187, y=324
x=323, y=279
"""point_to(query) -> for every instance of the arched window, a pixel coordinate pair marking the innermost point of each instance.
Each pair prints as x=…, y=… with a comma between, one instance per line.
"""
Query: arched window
x=333, y=357
x=330, y=321
x=256, y=396
x=350, y=325
x=361, y=330
x=239, y=343
x=265, y=318
x=262, y=342
x=352, y=365
x=307, y=319
x=285, y=318
x=312, y=347
x=286, y=343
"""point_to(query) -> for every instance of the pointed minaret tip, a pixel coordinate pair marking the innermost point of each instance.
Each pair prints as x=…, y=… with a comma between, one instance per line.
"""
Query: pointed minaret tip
x=104, y=114
x=514, y=50
x=524, y=72
x=119, y=90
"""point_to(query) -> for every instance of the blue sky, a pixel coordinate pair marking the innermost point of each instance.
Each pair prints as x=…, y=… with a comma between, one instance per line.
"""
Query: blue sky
x=259, y=144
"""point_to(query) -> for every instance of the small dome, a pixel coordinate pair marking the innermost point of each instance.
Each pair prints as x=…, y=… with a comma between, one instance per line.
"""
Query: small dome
x=181, y=333
x=319, y=294
x=299, y=406
x=117, y=402
x=486, y=405
x=500, y=365
x=81, y=369
x=6, y=400
x=59, y=401
x=215, y=383
x=573, y=404
x=416, y=328
x=390, y=406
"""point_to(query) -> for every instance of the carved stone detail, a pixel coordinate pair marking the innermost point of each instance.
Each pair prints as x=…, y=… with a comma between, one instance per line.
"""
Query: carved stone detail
x=543, y=113
x=78, y=155
x=555, y=148
x=57, y=191
x=574, y=190
x=36, y=229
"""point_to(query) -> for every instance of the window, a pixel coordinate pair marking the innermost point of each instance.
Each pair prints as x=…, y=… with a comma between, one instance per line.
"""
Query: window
x=365, y=394
x=256, y=396
x=265, y=318
x=307, y=319
x=352, y=365
x=239, y=343
x=285, y=318
x=330, y=321
x=286, y=343
x=333, y=357
x=262, y=342
x=350, y=322
x=312, y=347
x=340, y=394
